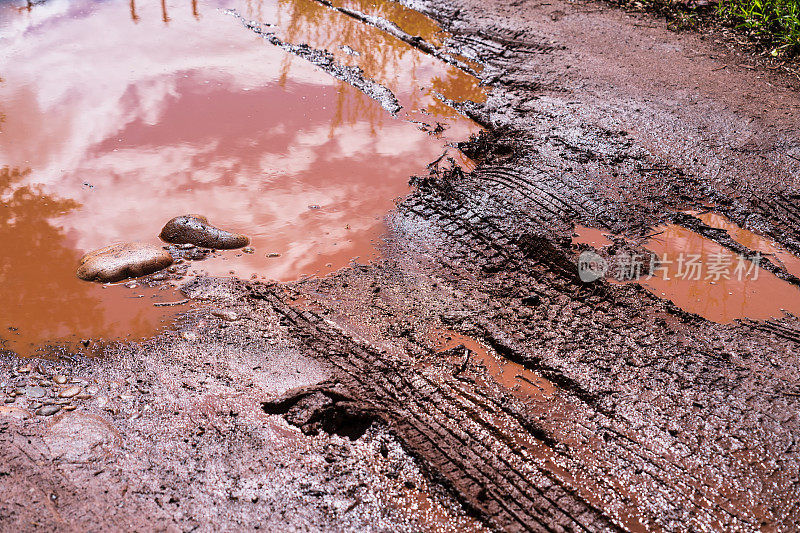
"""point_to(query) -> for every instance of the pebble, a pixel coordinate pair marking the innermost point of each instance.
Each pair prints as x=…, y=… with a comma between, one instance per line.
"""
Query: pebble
x=70, y=392
x=70, y=407
x=248, y=249
x=225, y=315
x=273, y=254
x=10, y=399
x=25, y=369
x=35, y=392
x=92, y=389
x=60, y=379
x=197, y=230
x=189, y=335
x=48, y=410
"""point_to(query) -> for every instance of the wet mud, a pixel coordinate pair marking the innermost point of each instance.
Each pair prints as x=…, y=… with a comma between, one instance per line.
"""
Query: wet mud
x=469, y=363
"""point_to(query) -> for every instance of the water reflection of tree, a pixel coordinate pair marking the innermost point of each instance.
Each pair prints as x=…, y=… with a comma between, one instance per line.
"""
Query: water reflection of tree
x=383, y=58
x=410, y=21
x=36, y=262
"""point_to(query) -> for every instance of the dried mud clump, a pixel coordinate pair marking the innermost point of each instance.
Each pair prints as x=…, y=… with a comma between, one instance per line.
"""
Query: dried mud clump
x=123, y=260
x=195, y=229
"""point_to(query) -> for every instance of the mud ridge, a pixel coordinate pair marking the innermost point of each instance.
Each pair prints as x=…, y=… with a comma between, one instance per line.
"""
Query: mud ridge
x=325, y=60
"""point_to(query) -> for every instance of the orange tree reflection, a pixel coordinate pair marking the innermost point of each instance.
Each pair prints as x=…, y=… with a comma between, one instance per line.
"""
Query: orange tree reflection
x=37, y=262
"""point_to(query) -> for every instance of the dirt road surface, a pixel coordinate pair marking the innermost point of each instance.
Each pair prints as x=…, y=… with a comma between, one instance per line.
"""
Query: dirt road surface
x=355, y=402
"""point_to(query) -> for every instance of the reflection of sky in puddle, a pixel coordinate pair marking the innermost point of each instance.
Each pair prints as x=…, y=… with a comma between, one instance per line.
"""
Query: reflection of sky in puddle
x=719, y=293
x=129, y=121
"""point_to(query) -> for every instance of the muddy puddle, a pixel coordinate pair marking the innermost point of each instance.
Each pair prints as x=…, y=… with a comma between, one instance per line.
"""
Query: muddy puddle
x=521, y=382
x=117, y=116
x=703, y=277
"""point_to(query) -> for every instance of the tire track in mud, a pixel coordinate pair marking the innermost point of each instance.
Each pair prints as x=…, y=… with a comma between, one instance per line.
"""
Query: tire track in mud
x=478, y=459
x=437, y=415
x=650, y=397
x=572, y=289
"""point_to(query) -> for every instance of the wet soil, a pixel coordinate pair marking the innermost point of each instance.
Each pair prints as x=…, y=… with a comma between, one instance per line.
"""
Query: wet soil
x=645, y=417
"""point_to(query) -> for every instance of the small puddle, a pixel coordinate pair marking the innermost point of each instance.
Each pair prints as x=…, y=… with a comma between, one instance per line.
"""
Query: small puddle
x=753, y=241
x=153, y=110
x=521, y=382
x=707, y=279
x=591, y=236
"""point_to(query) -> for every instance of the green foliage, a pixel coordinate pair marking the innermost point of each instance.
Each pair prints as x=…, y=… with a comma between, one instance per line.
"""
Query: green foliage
x=776, y=22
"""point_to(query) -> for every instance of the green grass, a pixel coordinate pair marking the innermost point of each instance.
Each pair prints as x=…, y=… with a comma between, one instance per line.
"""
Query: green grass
x=776, y=23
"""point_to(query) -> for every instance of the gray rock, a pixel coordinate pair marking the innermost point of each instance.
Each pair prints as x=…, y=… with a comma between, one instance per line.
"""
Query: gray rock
x=195, y=229
x=48, y=410
x=35, y=392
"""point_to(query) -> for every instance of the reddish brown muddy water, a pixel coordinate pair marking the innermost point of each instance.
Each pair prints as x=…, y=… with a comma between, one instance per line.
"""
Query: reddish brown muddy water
x=701, y=276
x=521, y=382
x=117, y=116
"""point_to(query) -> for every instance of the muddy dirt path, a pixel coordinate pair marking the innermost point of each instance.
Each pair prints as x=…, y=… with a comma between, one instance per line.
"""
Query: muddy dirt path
x=335, y=404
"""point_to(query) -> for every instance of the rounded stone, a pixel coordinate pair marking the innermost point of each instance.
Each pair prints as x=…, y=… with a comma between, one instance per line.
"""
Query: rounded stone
x=35, y=392
x=70, y=392
x=196, y=229
x=14, y=412
x=48, y=410
x=123, y=260
x=224, y=314
x=80, y=437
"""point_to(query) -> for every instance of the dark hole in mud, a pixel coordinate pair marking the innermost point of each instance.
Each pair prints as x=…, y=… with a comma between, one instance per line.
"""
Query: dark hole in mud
x=318, y=409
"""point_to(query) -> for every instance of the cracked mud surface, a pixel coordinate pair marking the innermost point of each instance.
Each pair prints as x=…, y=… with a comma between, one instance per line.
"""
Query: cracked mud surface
x=650, y=418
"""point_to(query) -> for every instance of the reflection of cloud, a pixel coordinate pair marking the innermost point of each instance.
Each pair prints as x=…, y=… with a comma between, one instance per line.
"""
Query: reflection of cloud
x=353, y=187
x=14, y=28
x=129, y=77
x=206, y=117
